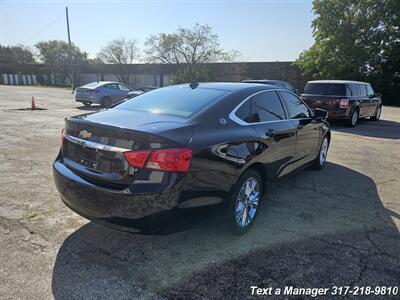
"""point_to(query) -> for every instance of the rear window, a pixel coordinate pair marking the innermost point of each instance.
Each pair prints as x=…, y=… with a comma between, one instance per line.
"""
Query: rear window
x=335, y=89
x=91, y=85
x=180, y=101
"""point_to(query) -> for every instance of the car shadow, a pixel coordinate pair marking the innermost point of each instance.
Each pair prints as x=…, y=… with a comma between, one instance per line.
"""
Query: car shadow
x=90, y=108
x=94, y=261
x=381, y=129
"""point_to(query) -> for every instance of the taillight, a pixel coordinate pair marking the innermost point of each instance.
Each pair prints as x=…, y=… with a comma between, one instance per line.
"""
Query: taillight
x=93, y=91
x=62, y=136
x=168, y=160
x=137, y=158
x=344, y=103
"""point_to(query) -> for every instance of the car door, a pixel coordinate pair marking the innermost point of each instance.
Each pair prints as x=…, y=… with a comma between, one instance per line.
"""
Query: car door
x=123, y=91
x=373, y=100
x=307, y=129
x=112, y=91
x=364, y=100
x=277, y=133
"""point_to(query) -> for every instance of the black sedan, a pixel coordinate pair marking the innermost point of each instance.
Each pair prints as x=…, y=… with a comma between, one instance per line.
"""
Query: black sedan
x=187, y=147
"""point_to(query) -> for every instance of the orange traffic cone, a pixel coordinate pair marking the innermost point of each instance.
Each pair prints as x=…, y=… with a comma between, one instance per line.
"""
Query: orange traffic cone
x=33, y=106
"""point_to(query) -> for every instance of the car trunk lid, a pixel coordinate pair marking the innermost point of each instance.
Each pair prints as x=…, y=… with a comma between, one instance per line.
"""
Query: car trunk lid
x=85, y=91
x=94, y=143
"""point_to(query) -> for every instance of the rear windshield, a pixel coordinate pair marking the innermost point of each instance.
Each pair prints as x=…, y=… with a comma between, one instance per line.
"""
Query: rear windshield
x=180, y=100
x=91, y=85
x=335, y=89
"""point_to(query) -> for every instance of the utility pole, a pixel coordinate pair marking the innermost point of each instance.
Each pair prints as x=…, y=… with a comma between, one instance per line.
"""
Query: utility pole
x=70, y=52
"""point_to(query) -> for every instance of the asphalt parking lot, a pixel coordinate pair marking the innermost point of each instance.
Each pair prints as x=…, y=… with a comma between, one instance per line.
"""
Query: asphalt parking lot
x=339, y=226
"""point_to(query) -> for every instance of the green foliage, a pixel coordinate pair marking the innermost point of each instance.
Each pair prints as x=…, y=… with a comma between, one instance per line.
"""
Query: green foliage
x=120, y=52
x=59, y=57
x=188, y=48
x=57, y=52
x=16, y=55
x=358, y=40
x=197, y=73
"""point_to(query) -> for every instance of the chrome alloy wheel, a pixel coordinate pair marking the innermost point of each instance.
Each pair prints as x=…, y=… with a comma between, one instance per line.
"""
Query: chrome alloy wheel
x=323, y=152
x=247, y=202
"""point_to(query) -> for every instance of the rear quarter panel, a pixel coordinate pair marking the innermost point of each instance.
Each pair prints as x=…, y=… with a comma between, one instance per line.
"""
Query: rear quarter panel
x=220, y=155
x=222, y=149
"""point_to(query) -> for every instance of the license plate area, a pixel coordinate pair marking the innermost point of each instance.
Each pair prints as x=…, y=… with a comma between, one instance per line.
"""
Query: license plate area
x=88, y=157
x=108, y=163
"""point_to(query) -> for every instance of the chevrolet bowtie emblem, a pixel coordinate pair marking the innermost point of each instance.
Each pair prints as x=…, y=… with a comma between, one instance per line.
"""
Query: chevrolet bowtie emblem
x=84, y=134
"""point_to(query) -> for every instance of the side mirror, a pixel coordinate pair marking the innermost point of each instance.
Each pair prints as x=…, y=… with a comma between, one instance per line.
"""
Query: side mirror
x=320, y=114
x=378, y=95
x=296, y=91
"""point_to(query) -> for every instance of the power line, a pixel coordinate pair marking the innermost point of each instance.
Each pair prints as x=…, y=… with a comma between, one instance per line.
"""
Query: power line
x=44, y=28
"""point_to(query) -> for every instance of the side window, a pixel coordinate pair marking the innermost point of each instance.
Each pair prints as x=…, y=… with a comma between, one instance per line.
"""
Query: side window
x=297, y=109
x=348, y=90
x=244, y=112
x=268, y=107
x=354, y=90
x=123, y=87
x=363, y=89
x=370, y=91
x=112, y=86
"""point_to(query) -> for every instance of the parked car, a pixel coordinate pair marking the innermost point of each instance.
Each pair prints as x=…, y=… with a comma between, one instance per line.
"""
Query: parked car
x=148, y=88
x=209, y=145
x=142, y=90
x=104, y=93
x=278, y=83
x=346, y=100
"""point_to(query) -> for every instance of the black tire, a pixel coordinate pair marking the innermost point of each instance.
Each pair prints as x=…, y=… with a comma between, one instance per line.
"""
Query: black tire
x=231, y=214
x=106, y=102
x=87, y=103
x=319, y=162
x=377, y=114
x=352, y=122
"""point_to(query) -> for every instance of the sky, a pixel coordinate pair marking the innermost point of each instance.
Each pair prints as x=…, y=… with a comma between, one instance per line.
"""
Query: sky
x=260, y=30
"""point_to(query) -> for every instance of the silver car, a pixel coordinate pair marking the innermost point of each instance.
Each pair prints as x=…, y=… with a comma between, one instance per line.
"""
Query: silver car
x=104, y=93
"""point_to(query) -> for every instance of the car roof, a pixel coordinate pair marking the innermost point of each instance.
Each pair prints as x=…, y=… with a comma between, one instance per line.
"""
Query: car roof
x=262, y=80
x=229, y=86
x=337, y=81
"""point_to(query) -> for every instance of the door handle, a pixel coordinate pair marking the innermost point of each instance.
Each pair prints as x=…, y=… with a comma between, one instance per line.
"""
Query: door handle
x=271, y=132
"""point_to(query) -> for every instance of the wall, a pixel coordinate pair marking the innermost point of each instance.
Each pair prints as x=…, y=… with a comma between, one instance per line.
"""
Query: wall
x=162, y=74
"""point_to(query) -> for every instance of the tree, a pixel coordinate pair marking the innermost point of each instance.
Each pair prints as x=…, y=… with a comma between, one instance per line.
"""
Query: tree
x=16, y=55
x=59, y=57
x=120, y=52
x=357, y=40
x=188, y=48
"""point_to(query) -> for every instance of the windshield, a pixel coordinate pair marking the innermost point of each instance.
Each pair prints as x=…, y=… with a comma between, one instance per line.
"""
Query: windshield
x=179, y=100
x=335, y=89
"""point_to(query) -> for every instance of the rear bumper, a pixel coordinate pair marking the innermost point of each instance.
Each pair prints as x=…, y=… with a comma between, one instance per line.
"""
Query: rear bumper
x=338, y=113
x=119, y=207
x=172, y=206
x=87, y=99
